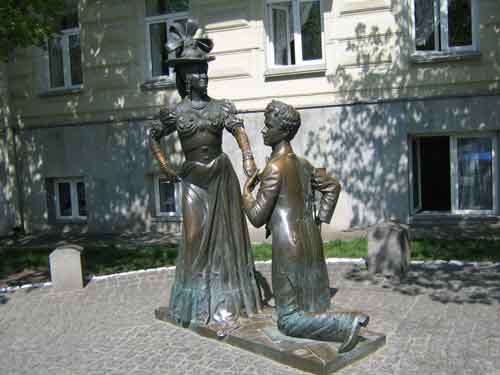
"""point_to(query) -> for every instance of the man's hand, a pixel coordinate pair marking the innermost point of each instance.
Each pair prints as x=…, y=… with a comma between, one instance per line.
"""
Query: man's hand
x=318, y=223
x=168, y=173
x=249, y=167
x=251, y=183
x=170, y=177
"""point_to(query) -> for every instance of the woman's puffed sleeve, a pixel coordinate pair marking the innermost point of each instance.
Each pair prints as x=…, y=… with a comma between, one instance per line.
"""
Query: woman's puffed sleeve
x=166, y=125
x=231, y=121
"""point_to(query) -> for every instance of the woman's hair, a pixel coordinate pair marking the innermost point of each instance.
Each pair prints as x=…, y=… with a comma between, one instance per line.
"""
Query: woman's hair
x=289, y=117
x=182, y=70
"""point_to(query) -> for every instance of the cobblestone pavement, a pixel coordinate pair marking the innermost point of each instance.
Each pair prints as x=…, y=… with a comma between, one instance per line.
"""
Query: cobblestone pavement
x=445, y=319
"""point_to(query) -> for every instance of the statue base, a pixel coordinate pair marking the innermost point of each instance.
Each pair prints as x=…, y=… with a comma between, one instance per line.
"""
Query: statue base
x=260, y=335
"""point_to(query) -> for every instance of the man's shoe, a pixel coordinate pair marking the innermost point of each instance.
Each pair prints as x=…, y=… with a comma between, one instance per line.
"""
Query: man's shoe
x=359, y=321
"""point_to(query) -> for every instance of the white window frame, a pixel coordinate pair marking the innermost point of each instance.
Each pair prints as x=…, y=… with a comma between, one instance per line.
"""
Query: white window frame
x=75, y=213
x=168, y=19
x=296, y=32
x=177, y=196
x=454, y=173
x=453, y=150
x=441, y=18
x=414, y=210
x=65, y=34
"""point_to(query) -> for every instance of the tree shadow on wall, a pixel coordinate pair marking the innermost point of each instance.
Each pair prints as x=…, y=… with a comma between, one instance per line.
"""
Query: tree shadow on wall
x=90, y=134
x=382, y=99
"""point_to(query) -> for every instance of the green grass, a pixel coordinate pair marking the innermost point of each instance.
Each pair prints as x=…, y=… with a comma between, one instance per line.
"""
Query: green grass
x=112, y=259
x=261, y=251
x=19, y=260
x=465, y=250
x=97, y=260
x=345, y=249
x=425, y=249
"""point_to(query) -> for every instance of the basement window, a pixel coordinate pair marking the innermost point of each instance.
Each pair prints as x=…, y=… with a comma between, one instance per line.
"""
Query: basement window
x=70, y=199
x=454, y=174
x=167, y=198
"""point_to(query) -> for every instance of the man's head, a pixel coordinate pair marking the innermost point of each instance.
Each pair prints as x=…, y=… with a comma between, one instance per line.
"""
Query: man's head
x=282, y=122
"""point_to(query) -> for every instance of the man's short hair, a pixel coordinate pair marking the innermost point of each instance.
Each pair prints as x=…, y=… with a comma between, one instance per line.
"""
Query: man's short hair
x=289, y=117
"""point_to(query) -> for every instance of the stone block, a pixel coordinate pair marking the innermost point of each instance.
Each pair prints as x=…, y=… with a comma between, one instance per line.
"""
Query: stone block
x=66, y=267
x=388, y=250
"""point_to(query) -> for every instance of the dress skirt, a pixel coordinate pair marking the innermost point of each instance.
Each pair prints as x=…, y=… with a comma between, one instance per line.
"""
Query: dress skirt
x=215, y=273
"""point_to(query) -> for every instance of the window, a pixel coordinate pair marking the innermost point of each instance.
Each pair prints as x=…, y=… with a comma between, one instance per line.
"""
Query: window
x=295, y=32
x=167, y=197
x=445, y=25
x=456, y=174
x=160, y=14
x=70, y=199
x=65, y=56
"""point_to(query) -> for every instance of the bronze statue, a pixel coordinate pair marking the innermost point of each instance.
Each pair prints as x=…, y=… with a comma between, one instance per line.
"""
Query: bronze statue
x=215, y=276
x=285, y=203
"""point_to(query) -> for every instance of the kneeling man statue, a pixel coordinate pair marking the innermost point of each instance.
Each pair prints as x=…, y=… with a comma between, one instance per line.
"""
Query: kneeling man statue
x=285, y=203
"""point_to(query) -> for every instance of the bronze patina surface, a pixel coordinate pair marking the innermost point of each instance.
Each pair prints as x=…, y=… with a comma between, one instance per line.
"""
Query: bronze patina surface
x=260, y=335
x=215, y=278
x=285, y=204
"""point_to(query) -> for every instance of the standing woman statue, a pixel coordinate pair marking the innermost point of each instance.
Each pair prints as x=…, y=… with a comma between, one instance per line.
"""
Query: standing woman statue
x=215, y=276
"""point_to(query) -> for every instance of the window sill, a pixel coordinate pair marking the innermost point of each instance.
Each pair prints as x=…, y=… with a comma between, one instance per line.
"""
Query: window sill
x=319, y=69
x=60, y=221
x=158, y=84
x=61, y=92
x=453, y=217
x=436, y=57
x=166, y=219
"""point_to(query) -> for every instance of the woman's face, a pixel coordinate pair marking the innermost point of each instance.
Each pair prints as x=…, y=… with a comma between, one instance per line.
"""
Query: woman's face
x=199, y=81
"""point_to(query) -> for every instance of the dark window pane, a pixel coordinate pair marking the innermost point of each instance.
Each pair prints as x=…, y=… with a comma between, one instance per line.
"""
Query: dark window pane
x=425, y=26
x=310, y=21
x=75, y=55
x=167, y=196
x=56, y=62
x=282, y=33
x=157, y=32
x=82, y=202
x=475, y=174
x=64, y=190
x=159, y=7
x=460, y=23
x=435, y=173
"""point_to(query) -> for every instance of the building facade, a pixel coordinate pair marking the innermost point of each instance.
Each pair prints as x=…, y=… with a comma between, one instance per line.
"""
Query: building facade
x=399, y=99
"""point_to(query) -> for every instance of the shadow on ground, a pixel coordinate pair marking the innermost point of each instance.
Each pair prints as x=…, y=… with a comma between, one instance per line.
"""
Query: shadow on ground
x=52, y=240
x=443, y=282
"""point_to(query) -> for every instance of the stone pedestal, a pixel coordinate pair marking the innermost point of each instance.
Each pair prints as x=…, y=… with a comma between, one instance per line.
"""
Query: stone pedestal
x=260, y=335
x=388, y=250
x=66, y=267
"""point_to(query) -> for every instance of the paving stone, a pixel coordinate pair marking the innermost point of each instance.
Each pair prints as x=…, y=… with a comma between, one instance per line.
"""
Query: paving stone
x=109, y=327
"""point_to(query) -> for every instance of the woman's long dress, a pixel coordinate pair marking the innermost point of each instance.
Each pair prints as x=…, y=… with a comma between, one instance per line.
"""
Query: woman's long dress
x=215, y=277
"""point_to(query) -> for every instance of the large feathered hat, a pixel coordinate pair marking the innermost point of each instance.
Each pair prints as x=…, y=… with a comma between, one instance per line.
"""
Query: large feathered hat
x=183, y=46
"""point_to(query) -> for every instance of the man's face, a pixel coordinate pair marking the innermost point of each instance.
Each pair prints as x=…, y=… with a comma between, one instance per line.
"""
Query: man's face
x=272, y=133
